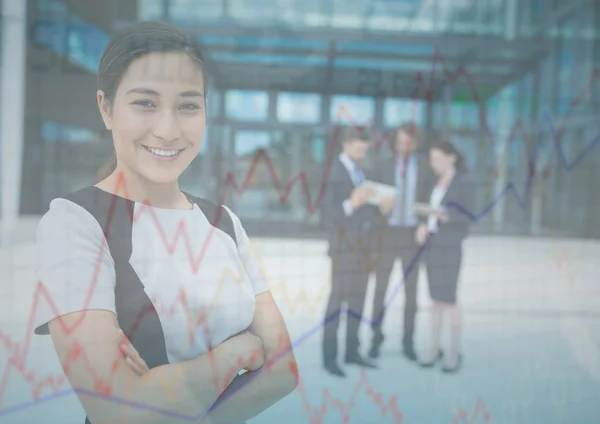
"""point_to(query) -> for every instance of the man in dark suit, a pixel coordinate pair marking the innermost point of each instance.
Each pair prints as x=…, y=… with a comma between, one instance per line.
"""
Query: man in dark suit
x=407, y=170
x=349, y=222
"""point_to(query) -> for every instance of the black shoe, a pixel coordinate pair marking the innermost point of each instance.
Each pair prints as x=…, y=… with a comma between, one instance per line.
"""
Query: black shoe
x=409, y=353
x=357, y=360
x=452, y=370
x=435, y=360
x=374, y=352
x=332, y=368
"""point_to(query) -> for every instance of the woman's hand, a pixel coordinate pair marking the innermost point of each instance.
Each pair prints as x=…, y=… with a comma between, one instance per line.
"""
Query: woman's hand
x=421, y=234
x=443, y=216
x=132, y=357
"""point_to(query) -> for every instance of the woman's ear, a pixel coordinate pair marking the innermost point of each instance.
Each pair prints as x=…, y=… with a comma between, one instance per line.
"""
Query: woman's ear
x=104, y=107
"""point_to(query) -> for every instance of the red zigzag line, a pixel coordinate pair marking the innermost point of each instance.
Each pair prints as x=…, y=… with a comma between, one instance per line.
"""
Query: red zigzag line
x=479, y=410
x=318, y=413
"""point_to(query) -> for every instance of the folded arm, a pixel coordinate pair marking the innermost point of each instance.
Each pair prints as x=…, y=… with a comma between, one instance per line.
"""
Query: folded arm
x=110, y=390
x=255, y=391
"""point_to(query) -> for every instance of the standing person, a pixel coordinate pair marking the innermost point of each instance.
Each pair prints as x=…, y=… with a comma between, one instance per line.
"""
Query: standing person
x=446, y=221
x=136, y=280
x=349, y=222
x=407, y=170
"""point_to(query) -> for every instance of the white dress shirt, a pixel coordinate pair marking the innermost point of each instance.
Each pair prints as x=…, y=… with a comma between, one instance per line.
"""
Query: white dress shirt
x=435, y=201
x=350, y=166
x=410, y=218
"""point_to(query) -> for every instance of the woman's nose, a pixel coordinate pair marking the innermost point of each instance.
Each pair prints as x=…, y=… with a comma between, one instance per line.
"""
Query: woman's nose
x=167, y=127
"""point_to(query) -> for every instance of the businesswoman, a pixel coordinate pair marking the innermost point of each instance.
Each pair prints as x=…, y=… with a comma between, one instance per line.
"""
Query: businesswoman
x=134, y=266
x=444, y=226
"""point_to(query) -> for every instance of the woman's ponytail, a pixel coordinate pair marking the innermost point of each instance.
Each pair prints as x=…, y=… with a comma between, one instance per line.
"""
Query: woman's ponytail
x=108, y=168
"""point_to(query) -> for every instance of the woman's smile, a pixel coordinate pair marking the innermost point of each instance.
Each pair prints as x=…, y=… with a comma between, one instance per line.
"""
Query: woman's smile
x=163, y=154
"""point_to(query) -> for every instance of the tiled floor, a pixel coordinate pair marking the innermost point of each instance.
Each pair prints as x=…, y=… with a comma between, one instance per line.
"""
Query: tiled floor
x=531, y=342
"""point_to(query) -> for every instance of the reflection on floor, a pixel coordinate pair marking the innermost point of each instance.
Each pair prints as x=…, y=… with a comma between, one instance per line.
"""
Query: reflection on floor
x=531, y=342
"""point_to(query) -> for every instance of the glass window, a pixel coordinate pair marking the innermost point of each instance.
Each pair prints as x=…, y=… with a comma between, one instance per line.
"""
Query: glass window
x=248, y=142
x=299, y=108
x=247, y=105
x=194, y=10
x=464, y=115
x=68, y=35
x=150, y=10
x=397, y=111
x=352, y=110
x=57, y=132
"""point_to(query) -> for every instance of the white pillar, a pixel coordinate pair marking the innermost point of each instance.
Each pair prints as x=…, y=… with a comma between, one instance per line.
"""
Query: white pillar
x=12, y=113
x=502, y=153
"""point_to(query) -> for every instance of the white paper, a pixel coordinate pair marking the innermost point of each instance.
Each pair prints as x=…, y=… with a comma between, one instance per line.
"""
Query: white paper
x=381, y=191
x=426, y=209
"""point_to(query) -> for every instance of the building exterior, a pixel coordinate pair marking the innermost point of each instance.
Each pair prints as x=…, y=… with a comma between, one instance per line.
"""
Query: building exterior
x=515, y=83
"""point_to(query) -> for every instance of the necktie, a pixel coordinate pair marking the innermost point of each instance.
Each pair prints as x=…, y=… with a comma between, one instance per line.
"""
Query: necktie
x=403, y=173
x=359, y=177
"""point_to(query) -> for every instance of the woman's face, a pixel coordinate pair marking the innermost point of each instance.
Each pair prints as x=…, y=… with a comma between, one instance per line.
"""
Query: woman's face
x=441, y=161
x=158, y=116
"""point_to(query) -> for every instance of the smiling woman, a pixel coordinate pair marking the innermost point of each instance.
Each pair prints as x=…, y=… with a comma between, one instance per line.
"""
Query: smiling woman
x=129, y=310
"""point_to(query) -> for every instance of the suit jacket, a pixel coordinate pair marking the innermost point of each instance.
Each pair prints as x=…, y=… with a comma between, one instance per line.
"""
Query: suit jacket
x=459, y=202
x=386, y=174
x=357, y=226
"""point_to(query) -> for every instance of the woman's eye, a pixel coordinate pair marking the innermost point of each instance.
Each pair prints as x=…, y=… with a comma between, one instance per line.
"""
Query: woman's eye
x=144, y=103
x=189, y=107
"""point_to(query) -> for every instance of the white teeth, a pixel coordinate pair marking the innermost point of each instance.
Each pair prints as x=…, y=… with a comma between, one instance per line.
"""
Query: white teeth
x=163, y=152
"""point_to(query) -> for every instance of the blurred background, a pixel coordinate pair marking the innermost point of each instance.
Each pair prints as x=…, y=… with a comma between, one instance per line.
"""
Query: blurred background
x=514, y=83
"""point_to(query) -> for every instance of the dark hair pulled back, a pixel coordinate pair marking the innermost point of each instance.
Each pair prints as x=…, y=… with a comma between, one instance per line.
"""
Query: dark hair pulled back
x=134, y=42
x=447, y=147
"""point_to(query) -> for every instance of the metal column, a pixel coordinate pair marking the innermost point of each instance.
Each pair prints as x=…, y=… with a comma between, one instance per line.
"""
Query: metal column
x=448, y=96
x=504, y=121
x=12, y=113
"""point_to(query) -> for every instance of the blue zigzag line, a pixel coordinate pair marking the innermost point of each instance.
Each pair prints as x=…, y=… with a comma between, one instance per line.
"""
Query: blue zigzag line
x=546, y=120
x=510, y=188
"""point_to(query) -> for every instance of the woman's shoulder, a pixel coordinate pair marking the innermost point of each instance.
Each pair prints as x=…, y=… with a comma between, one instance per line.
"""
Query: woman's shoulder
x=220, y=216
x=69, y=211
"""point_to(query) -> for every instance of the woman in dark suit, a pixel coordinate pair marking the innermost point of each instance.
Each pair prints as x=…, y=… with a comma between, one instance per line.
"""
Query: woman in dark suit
x=445, y=220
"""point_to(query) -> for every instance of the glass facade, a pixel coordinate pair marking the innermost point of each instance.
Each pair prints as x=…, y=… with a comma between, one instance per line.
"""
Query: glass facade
x=536, y=123
x=246, y=105
x=482, y=17
x=397, y=111
x=352, y=110
x=299, y=108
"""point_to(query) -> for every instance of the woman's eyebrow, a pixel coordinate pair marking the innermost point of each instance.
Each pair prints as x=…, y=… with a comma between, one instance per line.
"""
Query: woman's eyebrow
x=191, y=93
x=142, y=90
x=148, y=91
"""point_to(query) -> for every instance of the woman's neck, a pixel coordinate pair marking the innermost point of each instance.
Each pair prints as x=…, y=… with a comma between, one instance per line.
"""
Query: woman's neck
x=138, y=189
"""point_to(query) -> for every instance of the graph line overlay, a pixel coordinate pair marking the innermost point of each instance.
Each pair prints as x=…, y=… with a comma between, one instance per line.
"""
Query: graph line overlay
x=19, y=353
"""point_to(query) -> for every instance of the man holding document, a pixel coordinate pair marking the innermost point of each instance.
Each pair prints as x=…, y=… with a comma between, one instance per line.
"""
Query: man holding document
x=406, y=173
x=349, y=220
